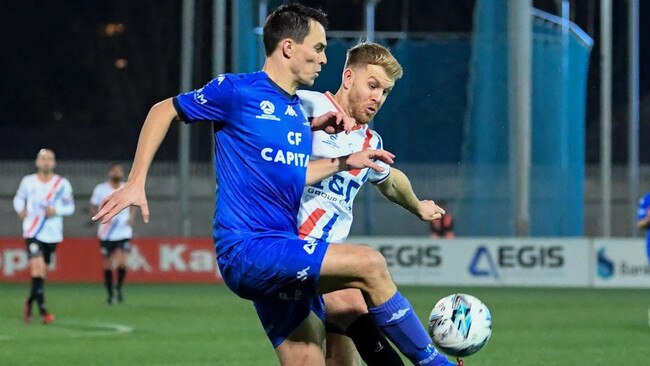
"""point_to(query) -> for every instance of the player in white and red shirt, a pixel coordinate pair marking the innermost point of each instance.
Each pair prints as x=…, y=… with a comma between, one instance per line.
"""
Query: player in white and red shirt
x=41, y=202
x=325, y=214
x=115, y=235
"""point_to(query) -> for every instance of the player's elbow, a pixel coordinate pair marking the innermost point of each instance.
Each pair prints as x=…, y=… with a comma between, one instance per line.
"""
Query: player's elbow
x=164, y=108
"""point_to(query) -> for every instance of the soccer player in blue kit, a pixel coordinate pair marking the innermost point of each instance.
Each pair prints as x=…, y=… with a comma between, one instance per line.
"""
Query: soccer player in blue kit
x=263, y=143
x=643, y=220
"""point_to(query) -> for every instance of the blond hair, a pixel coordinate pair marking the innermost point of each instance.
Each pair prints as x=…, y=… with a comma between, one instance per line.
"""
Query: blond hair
x=366, y=53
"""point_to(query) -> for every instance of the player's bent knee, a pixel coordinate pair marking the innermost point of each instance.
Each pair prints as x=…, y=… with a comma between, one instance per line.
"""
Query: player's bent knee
x=375, y=268
x=348, y=303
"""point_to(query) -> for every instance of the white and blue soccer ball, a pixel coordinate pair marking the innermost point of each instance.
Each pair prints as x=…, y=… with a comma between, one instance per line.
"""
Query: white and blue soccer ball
x=460, y=325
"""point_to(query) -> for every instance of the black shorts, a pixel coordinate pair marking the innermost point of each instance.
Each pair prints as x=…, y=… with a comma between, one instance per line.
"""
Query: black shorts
x=107, y=247
x=36, y=248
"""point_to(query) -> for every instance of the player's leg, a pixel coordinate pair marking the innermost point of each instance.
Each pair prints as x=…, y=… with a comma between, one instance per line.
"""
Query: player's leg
x=351, y=329
x=280, y=276
x=340, y=350
x=304, y=346
x=361, y=267
x=38, y=272
x=120, y=263
x=107, y=251
x=47, y=250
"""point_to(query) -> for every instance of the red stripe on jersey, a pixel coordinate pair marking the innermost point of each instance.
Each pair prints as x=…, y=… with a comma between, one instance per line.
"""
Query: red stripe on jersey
x=54, y=187
x=309, y=224
x=33, y=226
x=366, y=145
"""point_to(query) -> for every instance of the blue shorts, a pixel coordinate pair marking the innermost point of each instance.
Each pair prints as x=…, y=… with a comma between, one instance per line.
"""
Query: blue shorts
x=280, y=275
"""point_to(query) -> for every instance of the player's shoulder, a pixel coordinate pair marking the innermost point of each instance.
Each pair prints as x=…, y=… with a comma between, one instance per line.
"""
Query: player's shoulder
x=101, y=185
x=29, y=178
x=63, y=179
x=310, y=95
x=243, y=79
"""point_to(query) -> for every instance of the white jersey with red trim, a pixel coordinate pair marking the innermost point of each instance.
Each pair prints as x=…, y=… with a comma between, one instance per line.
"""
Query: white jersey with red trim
x=34, y=196
x=118, y=228
x=326, y=206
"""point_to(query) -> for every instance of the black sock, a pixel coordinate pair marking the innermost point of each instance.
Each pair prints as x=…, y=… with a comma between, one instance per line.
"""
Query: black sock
x=108, y=281
x=38, y=291
x=32, y=290
x=121, y=273
x=371, y=343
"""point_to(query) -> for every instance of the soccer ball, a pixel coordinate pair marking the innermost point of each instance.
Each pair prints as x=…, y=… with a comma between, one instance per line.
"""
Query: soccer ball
x=460, y=325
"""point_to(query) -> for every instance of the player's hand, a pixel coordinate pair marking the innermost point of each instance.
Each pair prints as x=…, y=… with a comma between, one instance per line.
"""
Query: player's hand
x=429, y=211
x=129, y=195
x=22, y=214
x=333, y=122
x=364, y=159
x=50, y=211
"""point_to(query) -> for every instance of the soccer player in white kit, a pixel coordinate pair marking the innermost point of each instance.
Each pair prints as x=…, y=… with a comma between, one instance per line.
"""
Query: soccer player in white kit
x=41, y=202
x=369, y=74
x=115, y=235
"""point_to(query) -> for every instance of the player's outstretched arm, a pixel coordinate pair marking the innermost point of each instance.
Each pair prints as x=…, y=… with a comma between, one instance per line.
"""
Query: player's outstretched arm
x=644, y=223
x=318, y=170
x=397, y=188
x=153, y=132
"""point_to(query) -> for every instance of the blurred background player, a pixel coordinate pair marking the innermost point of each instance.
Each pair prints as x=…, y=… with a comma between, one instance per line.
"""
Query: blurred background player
x=115, y=235
x=369, y=74
x=41, y=202
x=263, y=143
x=444, y=227
x=643, y=220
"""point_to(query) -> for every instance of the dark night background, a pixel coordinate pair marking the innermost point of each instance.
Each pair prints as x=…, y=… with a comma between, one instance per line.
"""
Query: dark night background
x=80, y=75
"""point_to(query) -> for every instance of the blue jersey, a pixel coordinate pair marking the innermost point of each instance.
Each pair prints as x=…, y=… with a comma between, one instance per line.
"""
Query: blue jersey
x=641, y=213
x=263, y=142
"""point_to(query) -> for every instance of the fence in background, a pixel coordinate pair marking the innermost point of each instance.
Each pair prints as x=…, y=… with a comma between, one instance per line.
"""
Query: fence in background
x=549, y=262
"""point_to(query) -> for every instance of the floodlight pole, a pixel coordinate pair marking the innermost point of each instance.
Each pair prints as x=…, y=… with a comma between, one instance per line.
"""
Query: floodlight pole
x=184, y=132
x=369, y=22
x=218, y=64
x=633, y=109
x=606, y=115
x=519, y=108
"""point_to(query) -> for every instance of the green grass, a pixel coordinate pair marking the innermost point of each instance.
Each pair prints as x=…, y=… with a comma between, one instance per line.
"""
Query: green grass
x=201, y=325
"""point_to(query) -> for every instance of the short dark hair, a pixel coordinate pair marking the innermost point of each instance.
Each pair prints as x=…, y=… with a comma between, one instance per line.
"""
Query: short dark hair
x=290, y=21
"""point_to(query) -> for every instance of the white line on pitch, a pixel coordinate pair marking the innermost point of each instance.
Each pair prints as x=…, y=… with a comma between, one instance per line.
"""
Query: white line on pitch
x=109, y=329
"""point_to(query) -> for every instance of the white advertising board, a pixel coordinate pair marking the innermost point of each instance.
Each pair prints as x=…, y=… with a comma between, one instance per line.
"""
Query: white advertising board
x=620, y=263
x=485, y=262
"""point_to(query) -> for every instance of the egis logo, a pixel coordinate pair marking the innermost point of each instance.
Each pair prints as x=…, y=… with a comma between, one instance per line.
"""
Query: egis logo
x=525, y=259
x=605, y=266
x=483, y=264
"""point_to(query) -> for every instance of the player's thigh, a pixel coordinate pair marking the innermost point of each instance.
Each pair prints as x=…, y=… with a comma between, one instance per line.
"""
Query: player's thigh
x=304, y=346
x=107, y=254
x=351, y=265
x=37, y=266
x=340, y=351
x=35, y=255
x=343, y=307
x=119, y=256
x=123, y=249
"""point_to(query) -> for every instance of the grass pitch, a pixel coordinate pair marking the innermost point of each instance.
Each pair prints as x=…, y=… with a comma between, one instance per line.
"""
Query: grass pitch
x=208, y=325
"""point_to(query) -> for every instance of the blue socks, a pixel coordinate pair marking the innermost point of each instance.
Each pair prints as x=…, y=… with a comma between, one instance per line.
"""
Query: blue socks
x=400, y=324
